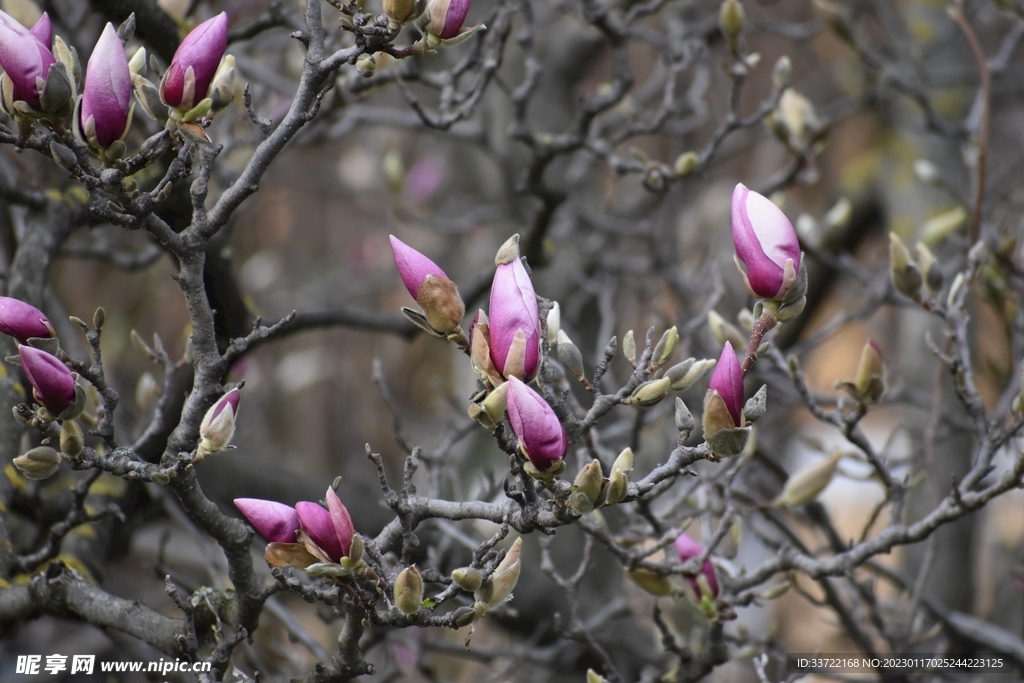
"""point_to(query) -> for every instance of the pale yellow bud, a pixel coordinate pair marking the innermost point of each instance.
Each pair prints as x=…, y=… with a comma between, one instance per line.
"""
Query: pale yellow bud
x=730, y=21
x=589, y=480
x=467, y=578
x=409, y=591
x=804, y=486
x=41, y=462
x=71, y=439
x=629, y=347
x=650, y=393
x=498, y=587
x=665, y=347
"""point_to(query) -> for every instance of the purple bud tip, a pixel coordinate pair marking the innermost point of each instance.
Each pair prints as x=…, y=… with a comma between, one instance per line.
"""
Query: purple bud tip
x=513, y=308
x=229, y=399
x=413, y=267
x=727, y=380
x=24, y=58
x=53, y=383
x=22, y=321
x=541, y=434
x=687, y=549
x=764, y=240
x=454, y=18
x=201, y=50
x=318, y=525
x=106, y=98
x=275, y=521
x=43, y=31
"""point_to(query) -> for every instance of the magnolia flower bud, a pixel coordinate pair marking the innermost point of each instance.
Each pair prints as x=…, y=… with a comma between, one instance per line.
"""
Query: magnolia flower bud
x=22, y=321
x=399, y=10
x=71, y=439
x=653, y=583
x=730, y=21
x=629, y=347
x=514, y=316
x=53, y=385
x=188, y=78
x=569, y=356
x=685, y=164
x=105, y=108
x=869, y=383
x=446, y=17
x=542, y=437
x=498, y=587
x=694, y=370
x=683, y=418
x=222, y=89
x=765, y=243
x=276, y=522
x=593, y=677
x=39, y=463
x=330, y=530
x=687, y=549
x=409, y=591
x=906, y=278
x=651, y=393
x=724, y=331
x=782, y=72
x=939, y=227
x=756, y=406
x=618, y=480
x=930, y=272
x=430, y=287
x=804, y=486
x=26, y=62
x=218, y=425
x=665, y=347
x=590, y=480
x=725, y=392
x=467, y=578
x=366, y=65
x=554, y=323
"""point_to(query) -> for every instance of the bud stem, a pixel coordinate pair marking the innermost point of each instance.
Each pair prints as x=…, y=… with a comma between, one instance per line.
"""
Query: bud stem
x=761, y=327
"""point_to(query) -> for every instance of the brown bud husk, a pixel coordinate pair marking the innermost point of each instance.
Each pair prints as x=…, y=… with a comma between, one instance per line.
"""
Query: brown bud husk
x=508, y=252
x=288, y=555
x=409, y=591
x=716, y=414
x=442, y=306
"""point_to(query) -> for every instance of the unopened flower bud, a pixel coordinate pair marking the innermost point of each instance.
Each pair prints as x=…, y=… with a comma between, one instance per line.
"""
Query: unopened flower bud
x=930, y=272
x=187, y=80
x=366, y=65
x=665, y=347
x=906, y=278
x=687, y=549
x=554, y=323
x=24, y=321
x=53, y=385
x=724, y=331
x=409, y=591
x=467, y=578
x=39, y=463
x=629, y=347
x=431, y=288
x=730, y=21
x=542, y=437
x=569, y=356
x=222, y=89
x=755, y=407
x=804, y=486
x=683, y=417
x=685, y=164
x=590, y=480
x=593, y=677
x=446, y=17
x=766, y=245
x=650, y=393
x=926, y=171
x=496, y=402
x=104, y=113
x=71, y=439
x=653, y=583
x=782, y=72
x=498, y=587
x=869, y=383
x=618, y=480
x=514, y=316
x=276, y=522
x=137, y=64
x=399, y=10
x=939, y=227
x=696, y=370
x=218, y=425
x=723, y=402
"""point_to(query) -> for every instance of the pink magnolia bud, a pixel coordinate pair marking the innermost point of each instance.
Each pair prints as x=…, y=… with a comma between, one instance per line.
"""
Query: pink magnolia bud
x=413, y=266
x=331, y=529
x=541, y=436
x=446, y=17
x=107, y=96
x=727, y=381
x=192, y=69
x=43, y=31
x=275, y=521
x=22, y=321
x=687, y=548
x=52, y=383
x=434, y=292
x=514, y=316
x=24, y=58
x=765, y=243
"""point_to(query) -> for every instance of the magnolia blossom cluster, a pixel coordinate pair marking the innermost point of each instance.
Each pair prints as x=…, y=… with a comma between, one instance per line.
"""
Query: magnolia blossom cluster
x=306, y=534
x=41, y=83
x=504, y=345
